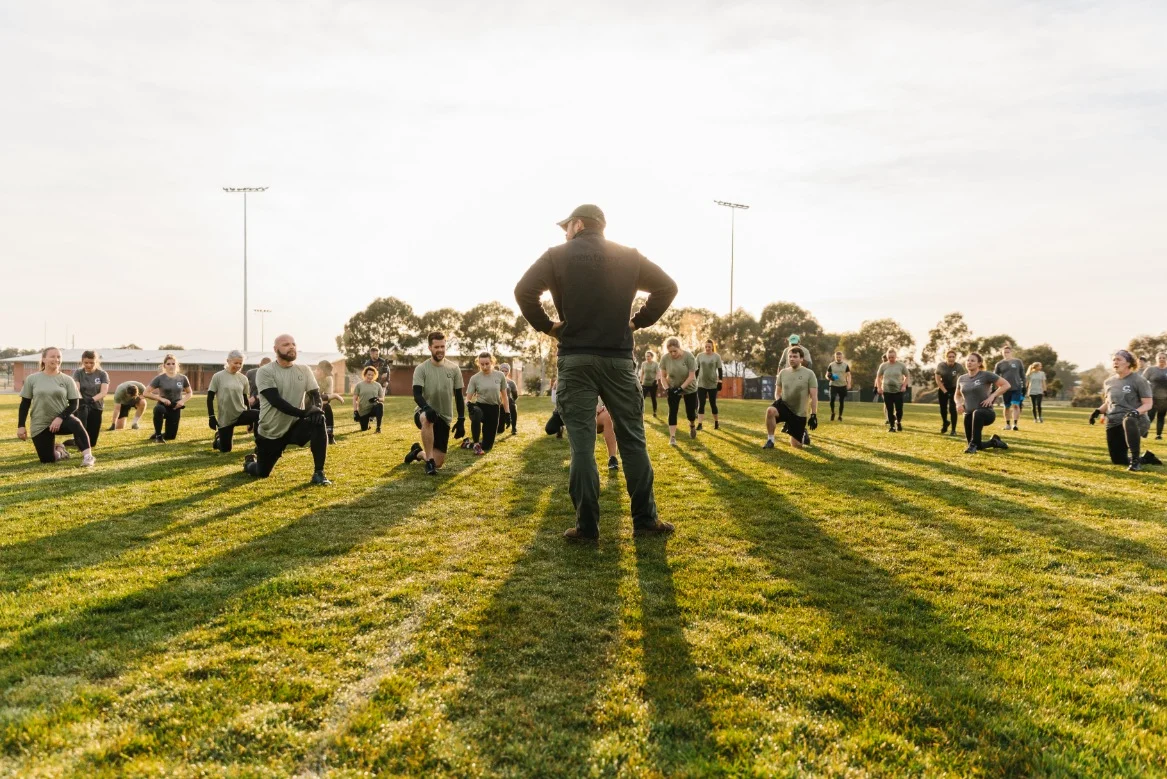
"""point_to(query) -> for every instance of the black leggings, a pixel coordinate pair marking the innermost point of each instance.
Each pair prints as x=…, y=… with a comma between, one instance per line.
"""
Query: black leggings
x=91, y=418
x=376, y=412
x=947, y=406
x=841, y=394
x=975, y=422
x=702, y=394
x=226, y=433
x=1036, y=405
x=893, y=407
x=45, y=442
x=514, y=418
x=1124, y=438
x=649, y=391
x=329, y=419
x=1158, y=414
x=690, y=406
x=269, y=450
x=488, y=428
x=168, y=415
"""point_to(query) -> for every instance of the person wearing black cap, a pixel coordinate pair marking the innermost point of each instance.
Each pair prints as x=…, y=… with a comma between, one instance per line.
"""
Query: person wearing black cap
x=1126, y=398
x=593, y=283
x=381, y=365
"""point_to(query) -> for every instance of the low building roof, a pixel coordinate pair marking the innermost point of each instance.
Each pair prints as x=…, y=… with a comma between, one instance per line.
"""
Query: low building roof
x=153, y=357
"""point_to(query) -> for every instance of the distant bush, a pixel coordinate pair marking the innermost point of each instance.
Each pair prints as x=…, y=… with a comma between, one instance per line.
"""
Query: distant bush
x=1086, y=401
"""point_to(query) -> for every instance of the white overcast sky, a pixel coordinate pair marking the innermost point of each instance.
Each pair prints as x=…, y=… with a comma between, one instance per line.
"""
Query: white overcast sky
x=901, y=159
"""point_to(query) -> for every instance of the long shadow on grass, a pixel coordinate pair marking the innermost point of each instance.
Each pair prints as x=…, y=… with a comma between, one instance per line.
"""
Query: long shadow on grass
x=123, y=629
x=547, y=637
x=680, y=727
x=956, y=703
x=865, y=477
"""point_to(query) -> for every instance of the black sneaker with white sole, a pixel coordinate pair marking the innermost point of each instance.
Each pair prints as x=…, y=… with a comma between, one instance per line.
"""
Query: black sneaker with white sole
x=431, y=468
x=613, y=464
x=320, y=480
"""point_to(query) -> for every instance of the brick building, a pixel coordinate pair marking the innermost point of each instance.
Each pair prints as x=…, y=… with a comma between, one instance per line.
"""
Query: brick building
x=142, y=365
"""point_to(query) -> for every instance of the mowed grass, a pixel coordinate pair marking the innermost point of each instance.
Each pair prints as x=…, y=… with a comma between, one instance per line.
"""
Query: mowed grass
x=876, y=605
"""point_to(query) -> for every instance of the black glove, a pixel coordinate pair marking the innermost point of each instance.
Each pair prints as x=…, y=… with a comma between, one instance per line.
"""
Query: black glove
x=719, y=386
x=356, y=416
x=676, y=392
x=1133, y=415
x=1094, y=417
x=459, y=427
x=814, y=422
x=315, y=416
x=212, y=422
x=378, y=401
x=432, y=415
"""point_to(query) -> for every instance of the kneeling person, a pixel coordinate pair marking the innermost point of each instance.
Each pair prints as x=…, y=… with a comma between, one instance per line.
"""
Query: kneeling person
x=976, y=391
x=795, y=388
x=369, y=399
x=488, y=391
x=233, y=391
x=284, y=420
x=1126, y=398
x=437, y=388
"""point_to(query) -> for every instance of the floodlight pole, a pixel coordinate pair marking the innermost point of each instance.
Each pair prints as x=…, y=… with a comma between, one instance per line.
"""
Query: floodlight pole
x=733, y=208
x=261, y=312
x=244, y=190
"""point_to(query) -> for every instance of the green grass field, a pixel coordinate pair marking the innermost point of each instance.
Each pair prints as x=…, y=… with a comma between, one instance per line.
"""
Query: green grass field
x=879, y=604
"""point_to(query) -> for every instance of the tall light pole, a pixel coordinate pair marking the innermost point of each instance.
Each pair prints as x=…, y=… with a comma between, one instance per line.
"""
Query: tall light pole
x=733, y=208
x=244, y=190
x=261, y=312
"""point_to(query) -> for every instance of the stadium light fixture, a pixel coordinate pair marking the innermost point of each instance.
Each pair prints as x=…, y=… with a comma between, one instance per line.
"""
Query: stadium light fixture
x=261, y=312
x=733, y=209
x=245, y=191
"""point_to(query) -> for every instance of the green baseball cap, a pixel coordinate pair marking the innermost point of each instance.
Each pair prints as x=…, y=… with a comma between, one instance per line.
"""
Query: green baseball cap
x=586, y=211
x=794, y=339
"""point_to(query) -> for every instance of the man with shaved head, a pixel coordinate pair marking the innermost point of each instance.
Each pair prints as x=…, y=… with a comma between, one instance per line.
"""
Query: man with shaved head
x=290, y=413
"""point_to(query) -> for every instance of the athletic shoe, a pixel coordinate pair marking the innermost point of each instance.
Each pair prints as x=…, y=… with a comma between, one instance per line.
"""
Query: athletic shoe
x=717, y=425
x=414, y=451
x=1150, y=459
x=1135, y=466
x=431, y=468
x=331, y=439
x=953, y=431
x=899, y=427
x=944, y=429
x=840, y=417
x=832, y=416
x=320, y=480
x=1158, y=438
x=972, y=449
x=891, y=428
x=659, y=528
x=613, y=464
x=996, y=443
x=672, y=441
x=215, y=443
x=805, y=438
x=692, y=432
x=1014, y=427
x=768, y=445
x=700, y=425
x=111, y=428
x=478, y=450
x=88, y=460
x=248, y=459
x=134, y=426
x=1008, y=426
x=378, y=430
x=574, y=534
x=466, y=443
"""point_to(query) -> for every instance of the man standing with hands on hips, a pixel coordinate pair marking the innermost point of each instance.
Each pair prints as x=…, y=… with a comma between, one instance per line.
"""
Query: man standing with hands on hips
x=593, y=283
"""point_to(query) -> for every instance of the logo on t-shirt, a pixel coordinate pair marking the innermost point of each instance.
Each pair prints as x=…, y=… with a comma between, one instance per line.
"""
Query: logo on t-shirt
x=1127, y=388
x=178, y=383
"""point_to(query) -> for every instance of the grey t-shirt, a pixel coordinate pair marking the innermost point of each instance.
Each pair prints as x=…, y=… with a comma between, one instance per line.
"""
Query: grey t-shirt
x=798, y=387
x=1124, y=395
x=1158, y=378
x=949, y=374
x=170, y=388
x=784, y=361
x=837, y=373
x=1037, y=383
x=90, y=384
x=1012, y=371
x=976, y=387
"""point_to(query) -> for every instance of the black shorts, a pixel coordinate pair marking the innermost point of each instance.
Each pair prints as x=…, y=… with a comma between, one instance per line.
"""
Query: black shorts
x=127, y=410
x=441, y=432
x=838, y=392
x=793, y=424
